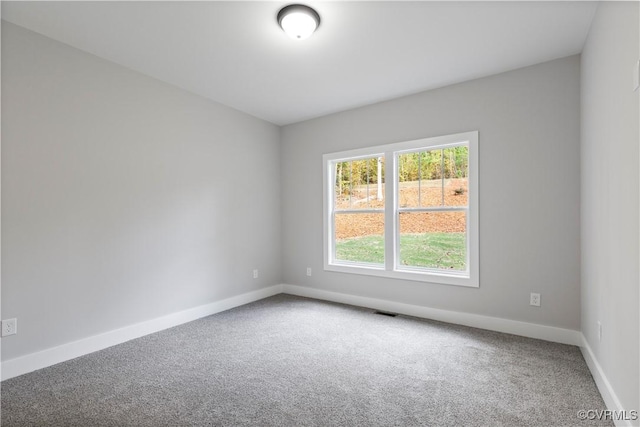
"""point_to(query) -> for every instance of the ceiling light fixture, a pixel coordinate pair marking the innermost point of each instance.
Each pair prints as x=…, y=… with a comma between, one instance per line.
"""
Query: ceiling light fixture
x=298, y=21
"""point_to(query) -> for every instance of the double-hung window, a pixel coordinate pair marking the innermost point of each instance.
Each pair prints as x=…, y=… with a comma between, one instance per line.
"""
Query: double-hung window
x=406, y=210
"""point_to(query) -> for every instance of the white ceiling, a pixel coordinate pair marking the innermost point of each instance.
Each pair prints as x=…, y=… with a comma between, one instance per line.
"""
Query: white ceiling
x=363, y=52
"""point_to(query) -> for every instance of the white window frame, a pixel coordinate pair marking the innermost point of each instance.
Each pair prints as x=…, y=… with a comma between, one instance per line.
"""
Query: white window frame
x=392, y=267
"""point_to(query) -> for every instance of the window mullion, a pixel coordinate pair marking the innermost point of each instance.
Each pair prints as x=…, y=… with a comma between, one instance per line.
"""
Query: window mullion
x=390, y=203
x=419, y=179
x=359, y=211
x=442, y=174
x=334, y=200
x=436, y=209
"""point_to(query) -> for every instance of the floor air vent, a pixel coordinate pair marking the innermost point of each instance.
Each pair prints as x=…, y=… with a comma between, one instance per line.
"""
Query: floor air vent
x=384, y=313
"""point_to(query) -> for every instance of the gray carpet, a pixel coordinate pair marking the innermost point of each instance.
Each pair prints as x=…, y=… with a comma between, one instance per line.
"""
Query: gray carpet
x=289, y=361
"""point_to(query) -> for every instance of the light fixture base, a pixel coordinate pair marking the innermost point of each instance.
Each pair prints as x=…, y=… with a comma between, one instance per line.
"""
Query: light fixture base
x=298, y=21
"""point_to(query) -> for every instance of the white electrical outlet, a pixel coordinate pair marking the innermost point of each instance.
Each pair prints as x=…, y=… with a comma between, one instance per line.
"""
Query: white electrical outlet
x=9, y=327
x=535, y=300
x=599, y=331
x=255, y=273
x=308, y=271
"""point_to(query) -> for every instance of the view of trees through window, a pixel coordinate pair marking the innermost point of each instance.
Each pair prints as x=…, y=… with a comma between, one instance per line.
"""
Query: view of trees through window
x=431, y=208
x=432, y=201
x=359, y=210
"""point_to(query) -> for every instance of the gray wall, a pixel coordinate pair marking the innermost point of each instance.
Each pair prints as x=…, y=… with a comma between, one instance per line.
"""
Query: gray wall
x=610, y=187
x=120, y=194
x=124, y=198
x=529, y=129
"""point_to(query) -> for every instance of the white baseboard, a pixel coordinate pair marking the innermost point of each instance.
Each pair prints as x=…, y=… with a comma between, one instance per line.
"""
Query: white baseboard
x=604, y=386
x=531, y=330
x=31, y=362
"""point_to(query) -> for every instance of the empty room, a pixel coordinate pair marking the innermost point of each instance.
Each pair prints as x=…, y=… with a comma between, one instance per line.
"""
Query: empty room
x=367, y=213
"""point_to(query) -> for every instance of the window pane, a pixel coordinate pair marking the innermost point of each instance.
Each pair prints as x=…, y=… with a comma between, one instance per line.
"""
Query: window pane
x=456, y=167
x=359, y=184
x=359, y=237
x=341, y=188
x=435, y=240
x=420, y=179
x=408, y=176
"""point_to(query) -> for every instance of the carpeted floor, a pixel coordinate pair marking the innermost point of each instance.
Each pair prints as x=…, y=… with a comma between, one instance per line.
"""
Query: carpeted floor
x=290, y=361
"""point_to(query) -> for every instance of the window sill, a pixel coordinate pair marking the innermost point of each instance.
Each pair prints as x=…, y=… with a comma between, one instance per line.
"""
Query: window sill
x=460, y=279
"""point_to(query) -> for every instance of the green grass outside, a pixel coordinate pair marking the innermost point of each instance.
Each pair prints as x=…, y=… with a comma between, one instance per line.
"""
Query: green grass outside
x=431, y=250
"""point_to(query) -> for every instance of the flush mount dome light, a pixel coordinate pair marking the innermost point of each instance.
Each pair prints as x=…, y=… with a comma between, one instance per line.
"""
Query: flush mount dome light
x=298, y=21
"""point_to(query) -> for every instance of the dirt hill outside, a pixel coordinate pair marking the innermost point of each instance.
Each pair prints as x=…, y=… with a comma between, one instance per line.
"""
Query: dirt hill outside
x=427, y=194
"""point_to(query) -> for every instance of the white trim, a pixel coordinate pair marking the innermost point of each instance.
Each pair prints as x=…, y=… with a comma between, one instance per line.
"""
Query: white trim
x=604, y=386
x=432, y=276
x=327, y=205
x=41, y=359
x=515, y=327
x=391, y=227
x=392, y=267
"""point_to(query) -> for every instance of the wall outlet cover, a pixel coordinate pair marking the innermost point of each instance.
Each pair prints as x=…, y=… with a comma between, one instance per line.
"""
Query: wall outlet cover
x=9, y=327
x=535, y=300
